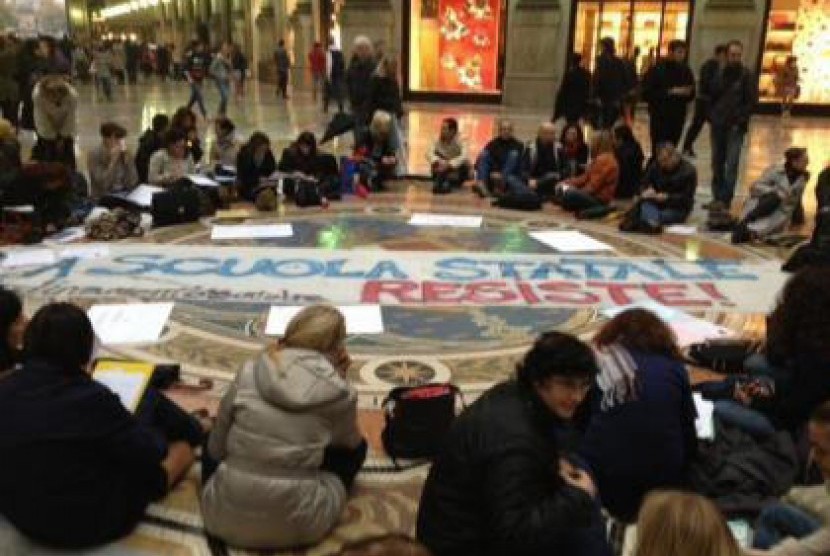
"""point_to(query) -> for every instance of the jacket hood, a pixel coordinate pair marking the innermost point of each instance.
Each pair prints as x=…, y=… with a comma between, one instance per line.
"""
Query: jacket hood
x=299, y=379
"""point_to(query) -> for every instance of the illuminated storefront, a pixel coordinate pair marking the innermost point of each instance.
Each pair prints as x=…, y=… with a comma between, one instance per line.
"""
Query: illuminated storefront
x=799, y=28
x=454, y=49
x=647, y=26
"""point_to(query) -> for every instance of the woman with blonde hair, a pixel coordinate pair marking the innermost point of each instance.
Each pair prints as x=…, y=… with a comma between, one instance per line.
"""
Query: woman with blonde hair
x=674, y=523
x=377, y=154
x=286, y=441
x=590, y=193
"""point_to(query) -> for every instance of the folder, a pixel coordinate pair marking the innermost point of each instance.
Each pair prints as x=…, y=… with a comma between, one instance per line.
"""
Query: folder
x=126, y=379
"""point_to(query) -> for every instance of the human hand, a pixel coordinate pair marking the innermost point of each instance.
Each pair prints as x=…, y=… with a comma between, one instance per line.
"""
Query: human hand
x=578, y=478
x=533, y=184
x=742, y=394
x=495, y=175
x=649, y=193
x=662, y=197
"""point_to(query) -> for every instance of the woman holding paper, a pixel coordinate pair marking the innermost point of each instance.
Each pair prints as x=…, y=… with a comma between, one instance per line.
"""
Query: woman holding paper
x=286, y=440
x=79, y=469
x=172, y=163
x=643, y=400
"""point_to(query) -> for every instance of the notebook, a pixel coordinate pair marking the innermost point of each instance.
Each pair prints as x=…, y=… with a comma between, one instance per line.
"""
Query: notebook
x=126, y=379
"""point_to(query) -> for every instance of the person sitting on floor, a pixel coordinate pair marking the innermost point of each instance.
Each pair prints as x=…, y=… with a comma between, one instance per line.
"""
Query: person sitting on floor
x=673, y=523
x=773, y=198
x=78, y=468
x=172, y=163
x=185, y=121
x=13, y=324
x=668, y=194
x=150, y=141
x=286, y=440
x=254, y=161
x=645, y=401
x=376, y=154
x=590, y=193
x=503, y=482
x=500, y=159
x=447, y=159
x=110, y=165
x=310, y=167
x=572, y=153
x=540, y=166
x=789, y=528
x=630, y=158
x=224, y=150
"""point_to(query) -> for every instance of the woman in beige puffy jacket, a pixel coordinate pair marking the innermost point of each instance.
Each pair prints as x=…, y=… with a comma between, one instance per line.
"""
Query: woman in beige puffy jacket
x=286, y=440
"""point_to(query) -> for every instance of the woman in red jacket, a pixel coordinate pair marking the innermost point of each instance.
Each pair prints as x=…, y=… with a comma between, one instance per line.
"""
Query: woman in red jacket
x=594, y=189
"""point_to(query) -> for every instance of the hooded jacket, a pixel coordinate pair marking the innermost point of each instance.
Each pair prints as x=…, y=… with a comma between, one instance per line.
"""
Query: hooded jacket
x=274, y=424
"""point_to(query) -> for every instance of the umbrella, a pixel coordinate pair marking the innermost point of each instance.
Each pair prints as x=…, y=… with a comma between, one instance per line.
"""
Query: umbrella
x=340, y=124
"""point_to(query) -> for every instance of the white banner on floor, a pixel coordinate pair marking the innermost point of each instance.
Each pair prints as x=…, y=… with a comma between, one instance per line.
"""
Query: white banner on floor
x=301, y=276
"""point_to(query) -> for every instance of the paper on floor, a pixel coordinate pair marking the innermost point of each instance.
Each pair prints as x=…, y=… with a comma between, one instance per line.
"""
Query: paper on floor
x=202, y=181
x=134, y=323
x=251, y=231
x=143, y=195
x=450, y=220
x=67, y=235
x=681, y=230
x=128, y=386
x=570, y=241
x=360, y=319
x=688, y=329
x=704, y=424
x=28, y=257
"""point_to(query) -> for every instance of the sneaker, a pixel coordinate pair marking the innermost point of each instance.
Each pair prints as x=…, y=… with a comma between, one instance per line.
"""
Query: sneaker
x=480, y=190
x=362, y=191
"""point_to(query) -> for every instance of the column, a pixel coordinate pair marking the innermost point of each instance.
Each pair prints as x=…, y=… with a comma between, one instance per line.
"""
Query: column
x=373, y=18
x=267, y=41
x=720, y=21
x=536, y=49
x=303, y=39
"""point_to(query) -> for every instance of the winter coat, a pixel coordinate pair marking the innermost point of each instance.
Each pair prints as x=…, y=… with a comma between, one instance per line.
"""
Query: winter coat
x=600, y=179
x=680, y=185
x=708, y=71
x=55, y=120
x=384, y=94
x=220, y=68
x=106, y=176
x=630, y=158
x=611, y=79
x=358, y=77
x=249, y=171
x=9, y=89
x=224, y=150
x=274, y=424
x=734, y=95
x=148, y=144
x=657, y=82
x=823, y=189
x=454, y=152
x=539, y=160
x=573, y=95
x=775, y=180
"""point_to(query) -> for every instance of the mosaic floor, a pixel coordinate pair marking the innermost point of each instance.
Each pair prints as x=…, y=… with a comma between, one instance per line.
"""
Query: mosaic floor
x=472, y=346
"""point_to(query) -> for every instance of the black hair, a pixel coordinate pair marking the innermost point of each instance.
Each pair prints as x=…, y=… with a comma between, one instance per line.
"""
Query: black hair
x=624, y=133
x=10, y=310
x=608, y=45
x=452, y=123
x=60, y=334
x=225, y=124
x=677, y=43
x=576, y=59
x=720, y=49
x=307, y=138
x=258, y=139
x=567, y=128
x=112, y=129
x=794, y=153
x=173, y=136
x=160, y=123
x=556, y=354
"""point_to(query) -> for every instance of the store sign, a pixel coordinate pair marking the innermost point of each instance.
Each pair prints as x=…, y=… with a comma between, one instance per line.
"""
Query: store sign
x=280, y=275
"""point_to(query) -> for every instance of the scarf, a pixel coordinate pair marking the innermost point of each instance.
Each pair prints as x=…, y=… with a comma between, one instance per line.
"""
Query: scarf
x=617, y=376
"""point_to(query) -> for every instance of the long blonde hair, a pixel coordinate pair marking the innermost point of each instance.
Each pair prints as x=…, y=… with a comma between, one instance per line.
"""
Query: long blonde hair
x=682, y=524
x=320, y=328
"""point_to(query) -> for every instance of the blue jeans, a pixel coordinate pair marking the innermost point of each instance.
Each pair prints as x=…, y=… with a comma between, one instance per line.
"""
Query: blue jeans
x=654, y=214
x=576, y=200
x=196, y=97
x=779, y=521
x=727, y=142
x=224, y=87
x=106, y=85
x=518, y=188
x=485, y=166
x=749, y=420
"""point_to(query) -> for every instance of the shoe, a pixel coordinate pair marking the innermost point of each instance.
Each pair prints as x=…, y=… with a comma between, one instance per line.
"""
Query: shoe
x=481, y=191
x=362, y=191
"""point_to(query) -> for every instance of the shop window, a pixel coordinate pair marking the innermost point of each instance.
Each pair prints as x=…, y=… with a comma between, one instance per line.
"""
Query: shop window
x=455, y=46
x=799, y=30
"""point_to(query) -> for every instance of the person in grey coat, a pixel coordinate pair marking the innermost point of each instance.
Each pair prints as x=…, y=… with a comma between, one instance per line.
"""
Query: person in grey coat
x=286, y=440
x=773, y=198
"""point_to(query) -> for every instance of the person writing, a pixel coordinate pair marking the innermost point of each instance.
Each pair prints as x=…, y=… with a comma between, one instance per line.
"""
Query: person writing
x=110, y=165
x=172, y=163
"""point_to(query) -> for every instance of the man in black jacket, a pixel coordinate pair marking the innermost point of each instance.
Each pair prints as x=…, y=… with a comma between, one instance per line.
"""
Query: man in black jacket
x=668, y=87
x=503, y=483
x=358, y=78
x=611, y=83
x=704, y=95
x=668, y=195
x=734, y=94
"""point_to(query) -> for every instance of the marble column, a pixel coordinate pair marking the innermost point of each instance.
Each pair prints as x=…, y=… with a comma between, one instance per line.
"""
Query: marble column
x=536, y=42
x=267, y=40
x=373, y=18
x=303, y=41
x=719, y=21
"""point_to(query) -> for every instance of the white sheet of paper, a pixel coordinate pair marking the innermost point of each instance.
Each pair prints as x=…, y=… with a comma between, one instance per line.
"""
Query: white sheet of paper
x=695, y=331
x=251, y=231
x=360, y=319
x=742, y=532
x=225, y=179
x=202, y=181
x=91, y=251
x=229, y=168
x=666, y=314
x=135, y=323
x=704, y=424
x=67, y=235
x=143, y=195
x=681, y=230
x=21, y=209
x=127, y=386
x=570, y=241
x=28, y=257
x=450, y=220
x=97, y=212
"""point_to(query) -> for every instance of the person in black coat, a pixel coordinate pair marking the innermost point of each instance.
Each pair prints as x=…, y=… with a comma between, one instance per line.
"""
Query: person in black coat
x=311, y=166
x=540, y=170
x=703, y=98
x=572, y=99
x=503, y=483
x=611, y=84
x=78, y=468
x=254, y=162
x=13, y=322
x=630, y=158
x=149, y=142
x=358, y=76
x=499, y=160
x=668, y=87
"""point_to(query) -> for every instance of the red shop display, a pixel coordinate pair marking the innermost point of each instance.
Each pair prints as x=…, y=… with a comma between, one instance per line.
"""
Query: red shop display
x=468, y=48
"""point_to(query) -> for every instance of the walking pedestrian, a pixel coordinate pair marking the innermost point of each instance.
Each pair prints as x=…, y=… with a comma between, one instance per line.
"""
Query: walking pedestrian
x=335, y=77
x=220, y=71
x=283, y=63
x=239, y=63
x=611, y=83
x=317, y=64
x=703, y=99
x=195, y=68
x=572, y=99
x=102, y=59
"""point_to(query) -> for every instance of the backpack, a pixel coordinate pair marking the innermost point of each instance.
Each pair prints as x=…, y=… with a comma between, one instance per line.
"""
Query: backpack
x=307, y=194
x=417, y=420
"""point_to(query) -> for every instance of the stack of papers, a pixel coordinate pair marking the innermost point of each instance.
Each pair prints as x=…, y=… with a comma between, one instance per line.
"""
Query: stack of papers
x=67, y=235
x=135, y=323
x=704, y=424
x=251, y=231
x=448, y=220
x=360, y=319
x=28, y=257
x=143, y=195
x=202, y=181
x=126, y=379
x=570, y=241
x=688, y=329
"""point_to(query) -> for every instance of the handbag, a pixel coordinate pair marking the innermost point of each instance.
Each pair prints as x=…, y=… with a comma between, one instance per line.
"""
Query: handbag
x=178, y=205
x=417, y=420
x=723, y=355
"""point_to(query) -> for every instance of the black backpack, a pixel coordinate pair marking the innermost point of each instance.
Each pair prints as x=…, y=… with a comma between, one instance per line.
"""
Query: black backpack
x=417, y=420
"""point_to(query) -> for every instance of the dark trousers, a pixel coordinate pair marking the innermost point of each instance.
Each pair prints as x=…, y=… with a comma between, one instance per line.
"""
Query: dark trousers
x=450, y=179
x=610, y=112
x=727, y=142
x=345, y=462
x=174, y=424
x=197, y=97
x=333, y=91
x=576, y=200
x=282, y=83
x=60, y=150
x=779, y=521
x=665, y=128
x=700, y=117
